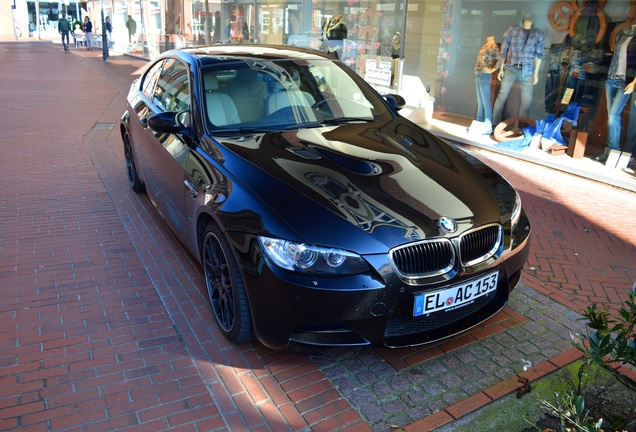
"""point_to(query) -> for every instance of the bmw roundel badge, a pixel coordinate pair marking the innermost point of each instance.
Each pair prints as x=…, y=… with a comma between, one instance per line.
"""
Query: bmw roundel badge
x=447, y=224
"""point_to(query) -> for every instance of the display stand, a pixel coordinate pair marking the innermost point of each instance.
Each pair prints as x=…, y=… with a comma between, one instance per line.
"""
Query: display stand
x=578, y=138
x=577, y=144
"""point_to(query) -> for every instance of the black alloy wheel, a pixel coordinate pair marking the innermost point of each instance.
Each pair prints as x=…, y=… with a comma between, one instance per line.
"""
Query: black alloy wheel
x=131, y=170
x=225, y=287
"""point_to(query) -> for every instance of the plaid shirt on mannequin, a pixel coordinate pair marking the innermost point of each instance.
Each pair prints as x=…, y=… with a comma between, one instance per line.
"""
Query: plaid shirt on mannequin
x=517, y=50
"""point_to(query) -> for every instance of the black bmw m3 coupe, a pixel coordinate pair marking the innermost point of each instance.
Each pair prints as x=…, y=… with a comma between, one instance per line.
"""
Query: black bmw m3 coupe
x=320, y=216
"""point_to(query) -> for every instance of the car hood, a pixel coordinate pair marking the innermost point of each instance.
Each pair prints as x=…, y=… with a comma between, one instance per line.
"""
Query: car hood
x=391, y=180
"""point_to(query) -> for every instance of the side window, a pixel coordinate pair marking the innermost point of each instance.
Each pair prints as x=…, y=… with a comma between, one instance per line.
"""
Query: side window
x=150, y=79
x=172, y=92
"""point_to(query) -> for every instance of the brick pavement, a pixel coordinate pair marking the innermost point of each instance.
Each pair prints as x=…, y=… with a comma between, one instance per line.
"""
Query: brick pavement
x=104, y=321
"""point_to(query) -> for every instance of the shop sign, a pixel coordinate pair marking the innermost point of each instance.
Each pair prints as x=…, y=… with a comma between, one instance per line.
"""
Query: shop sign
x=378, y=72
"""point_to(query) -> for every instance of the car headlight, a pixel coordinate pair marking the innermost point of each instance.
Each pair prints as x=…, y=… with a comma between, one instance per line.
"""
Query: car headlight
x=305, y=258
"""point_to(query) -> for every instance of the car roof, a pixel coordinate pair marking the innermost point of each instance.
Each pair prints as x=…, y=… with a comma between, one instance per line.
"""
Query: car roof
x=215, y=53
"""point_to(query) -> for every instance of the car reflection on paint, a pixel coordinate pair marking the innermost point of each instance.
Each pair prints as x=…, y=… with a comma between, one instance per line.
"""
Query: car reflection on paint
x=320, y=216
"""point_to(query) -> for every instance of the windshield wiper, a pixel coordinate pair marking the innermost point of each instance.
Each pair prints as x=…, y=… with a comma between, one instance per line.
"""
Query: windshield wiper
x=343, y=120
x=268, y=128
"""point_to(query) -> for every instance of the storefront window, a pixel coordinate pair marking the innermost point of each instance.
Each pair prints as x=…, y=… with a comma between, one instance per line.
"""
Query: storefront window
x=273, y=23
x=423, y=49
x=366, y=35
x=445, y=36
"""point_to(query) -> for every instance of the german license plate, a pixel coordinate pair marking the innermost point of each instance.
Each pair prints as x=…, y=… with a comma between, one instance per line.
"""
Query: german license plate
x=455, y=296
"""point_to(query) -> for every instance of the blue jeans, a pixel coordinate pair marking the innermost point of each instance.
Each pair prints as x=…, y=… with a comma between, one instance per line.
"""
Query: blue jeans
x=65, y=40
x=630, y=140
x=512, y=74
x=616, y=99
x=484, y=108
x=551, y=89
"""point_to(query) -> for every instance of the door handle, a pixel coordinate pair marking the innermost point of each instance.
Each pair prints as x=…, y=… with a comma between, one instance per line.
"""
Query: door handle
x=191, y=188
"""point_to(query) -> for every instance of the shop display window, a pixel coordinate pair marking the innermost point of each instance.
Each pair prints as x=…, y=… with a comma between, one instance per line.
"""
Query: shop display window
x=427, y=48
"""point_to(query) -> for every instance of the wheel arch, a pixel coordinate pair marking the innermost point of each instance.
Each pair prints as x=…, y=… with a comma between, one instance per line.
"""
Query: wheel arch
x=123, y=124
x=202, y=222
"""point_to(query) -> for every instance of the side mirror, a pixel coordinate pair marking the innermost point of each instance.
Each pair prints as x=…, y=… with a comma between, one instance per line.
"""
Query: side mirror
x=169, y=122
x=395, y=101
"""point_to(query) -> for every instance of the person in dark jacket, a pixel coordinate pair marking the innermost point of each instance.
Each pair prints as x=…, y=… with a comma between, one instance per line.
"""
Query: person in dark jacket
x=64, y=27
x=88, y=32
x=131, y=25
x=109, y=30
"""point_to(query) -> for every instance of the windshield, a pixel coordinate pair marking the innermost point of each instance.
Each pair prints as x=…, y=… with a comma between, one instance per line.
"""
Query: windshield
x=287, y=94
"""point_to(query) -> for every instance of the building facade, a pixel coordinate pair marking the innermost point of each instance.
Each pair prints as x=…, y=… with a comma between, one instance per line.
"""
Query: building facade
x=423, y=49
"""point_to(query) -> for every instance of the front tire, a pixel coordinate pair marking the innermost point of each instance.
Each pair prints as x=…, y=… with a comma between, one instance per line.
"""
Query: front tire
x=225, y=287
x=131, y=168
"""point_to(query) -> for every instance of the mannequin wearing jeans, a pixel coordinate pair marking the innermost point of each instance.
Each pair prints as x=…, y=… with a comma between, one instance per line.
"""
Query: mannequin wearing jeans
x=630, y=140
x=616, y=92
x=485, y=65
x=522, y=50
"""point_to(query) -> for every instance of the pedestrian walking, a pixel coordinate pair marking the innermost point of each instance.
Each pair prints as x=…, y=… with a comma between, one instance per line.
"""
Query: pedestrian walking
x=88, y=32
x=64, y=27
x=131, y=25
x=109, y=30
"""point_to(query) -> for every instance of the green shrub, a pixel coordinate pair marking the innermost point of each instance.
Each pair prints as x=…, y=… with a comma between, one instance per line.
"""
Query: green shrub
x=573, y=413
x=608, y=341
x=613, y=341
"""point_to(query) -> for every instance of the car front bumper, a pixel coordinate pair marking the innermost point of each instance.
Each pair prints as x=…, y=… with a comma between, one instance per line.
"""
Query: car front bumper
x=290, y=309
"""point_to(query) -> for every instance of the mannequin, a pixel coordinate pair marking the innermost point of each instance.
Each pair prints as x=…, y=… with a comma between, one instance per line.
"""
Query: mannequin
x=522, y=51
x=396, y=43
x=486, y=63
x=616, y=91
x=335, y=31
x=630, y=140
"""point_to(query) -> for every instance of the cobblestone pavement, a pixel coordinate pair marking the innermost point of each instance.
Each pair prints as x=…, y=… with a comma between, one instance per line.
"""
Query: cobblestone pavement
x=104, y=321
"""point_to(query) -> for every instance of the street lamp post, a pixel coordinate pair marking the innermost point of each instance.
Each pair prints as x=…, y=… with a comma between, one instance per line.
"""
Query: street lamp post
x=105, y=54
x=15, y=23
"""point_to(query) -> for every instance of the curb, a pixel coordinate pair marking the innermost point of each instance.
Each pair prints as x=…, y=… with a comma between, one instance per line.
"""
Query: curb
x=495, y=392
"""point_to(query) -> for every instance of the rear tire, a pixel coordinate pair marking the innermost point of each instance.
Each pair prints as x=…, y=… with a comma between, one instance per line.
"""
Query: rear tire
x=225, y=287
x=131, y=168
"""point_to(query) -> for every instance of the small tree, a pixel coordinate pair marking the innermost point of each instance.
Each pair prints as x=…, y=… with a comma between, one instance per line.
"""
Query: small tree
x=613, y=341
x=607, y=341
x=610, y=341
